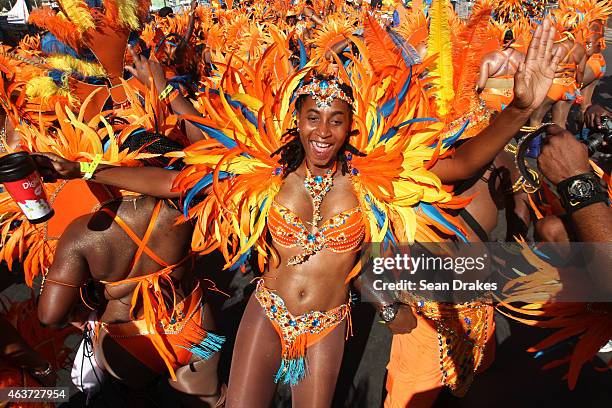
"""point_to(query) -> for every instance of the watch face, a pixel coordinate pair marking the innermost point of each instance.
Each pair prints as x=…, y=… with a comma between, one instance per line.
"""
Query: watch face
x=581, y=189
x=388, y=313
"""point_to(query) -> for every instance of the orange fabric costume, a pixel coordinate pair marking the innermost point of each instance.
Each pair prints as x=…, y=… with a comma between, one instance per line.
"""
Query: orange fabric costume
x=564, y=89
x=179, y=335
x=442, y=356
x=498, y=93
x=163, y=338
x=597, y=64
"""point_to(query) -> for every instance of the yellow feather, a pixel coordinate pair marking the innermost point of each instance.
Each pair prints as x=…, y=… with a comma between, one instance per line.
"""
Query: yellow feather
x=439, y=44
x=127, y=13
x=43, y=87
x=249, y=101
x=68, y=63
x=78, y=12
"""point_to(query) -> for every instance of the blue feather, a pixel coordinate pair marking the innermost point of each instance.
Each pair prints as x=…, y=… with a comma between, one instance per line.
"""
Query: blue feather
x=451, y=140
x=217, y=135
x=241, y=261
x=393, y=131
x=371, y=133
x=201, y=185
x=303, y=54
x=564, y=343
x=250, y=116
x=435, y=215
x=207, y=348
x=261, y=207
x=380, y=219
x=375, y=124
x=57, y=76
x=389, y=106
x=291, y=372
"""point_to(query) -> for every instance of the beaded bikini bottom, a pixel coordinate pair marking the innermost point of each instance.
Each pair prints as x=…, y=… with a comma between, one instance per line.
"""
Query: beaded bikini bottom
x=297, y=332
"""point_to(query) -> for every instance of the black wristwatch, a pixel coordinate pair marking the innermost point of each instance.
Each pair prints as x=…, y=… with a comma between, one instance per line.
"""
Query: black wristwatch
x=580, y=191
x=388, y=312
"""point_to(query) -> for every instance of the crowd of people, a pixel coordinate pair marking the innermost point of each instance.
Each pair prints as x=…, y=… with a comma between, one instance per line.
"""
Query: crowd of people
x=285, y=136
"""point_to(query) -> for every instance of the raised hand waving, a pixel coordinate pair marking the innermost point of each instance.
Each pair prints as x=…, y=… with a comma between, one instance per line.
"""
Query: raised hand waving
x=535, y=76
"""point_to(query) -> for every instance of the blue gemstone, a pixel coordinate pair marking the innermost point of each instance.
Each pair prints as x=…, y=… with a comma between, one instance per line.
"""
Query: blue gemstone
x=172, y=321
x=273, y=309
x=318, y=179
x=421, y=303
x=315, y=322
x=311, y=238
x=323, y=85
x=349, y=156
x=355, y=172
x=278, y=170
x=468, y=320
x=292, y=323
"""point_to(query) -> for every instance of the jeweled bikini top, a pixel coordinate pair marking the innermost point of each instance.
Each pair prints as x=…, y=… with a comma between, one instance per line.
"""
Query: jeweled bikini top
x=343, y=232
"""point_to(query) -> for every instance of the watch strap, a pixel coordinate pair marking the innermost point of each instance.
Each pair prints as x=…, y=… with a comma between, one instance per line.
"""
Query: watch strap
x=571, y=203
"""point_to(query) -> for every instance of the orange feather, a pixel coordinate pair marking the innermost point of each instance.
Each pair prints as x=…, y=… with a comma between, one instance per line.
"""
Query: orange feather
x=63, y=29
x=381, y=48
x=467, y=56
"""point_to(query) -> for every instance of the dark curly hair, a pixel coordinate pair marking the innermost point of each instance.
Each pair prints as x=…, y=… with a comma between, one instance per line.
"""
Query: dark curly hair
x=292, y=153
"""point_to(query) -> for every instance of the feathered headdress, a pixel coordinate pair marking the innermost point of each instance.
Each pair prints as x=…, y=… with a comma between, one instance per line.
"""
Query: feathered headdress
x=245, y=119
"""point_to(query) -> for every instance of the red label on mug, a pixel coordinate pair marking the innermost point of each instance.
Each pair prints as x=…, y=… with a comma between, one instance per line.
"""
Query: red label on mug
x=29, y=194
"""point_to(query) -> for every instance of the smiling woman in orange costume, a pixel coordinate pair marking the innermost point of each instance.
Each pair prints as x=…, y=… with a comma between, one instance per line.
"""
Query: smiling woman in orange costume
x=358, y=167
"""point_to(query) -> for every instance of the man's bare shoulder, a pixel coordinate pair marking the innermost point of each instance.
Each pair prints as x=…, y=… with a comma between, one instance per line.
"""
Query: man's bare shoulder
x=79, y=233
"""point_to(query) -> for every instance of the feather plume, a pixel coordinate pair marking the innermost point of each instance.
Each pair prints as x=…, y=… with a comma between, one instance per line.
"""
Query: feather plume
x=336, y=29
x=64, y=29
x=128, y=13
x=382, y=51
x=78, y=12
x=68, y=63
x=440, y=44
x=467, y=55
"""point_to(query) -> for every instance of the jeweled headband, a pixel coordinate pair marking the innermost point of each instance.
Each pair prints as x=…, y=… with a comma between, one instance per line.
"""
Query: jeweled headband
x=324, y=91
